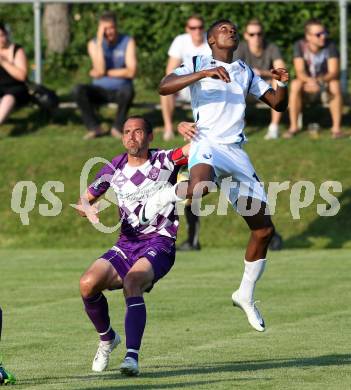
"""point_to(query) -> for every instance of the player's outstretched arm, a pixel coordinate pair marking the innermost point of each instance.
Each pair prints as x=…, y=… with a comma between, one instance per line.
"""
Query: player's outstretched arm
x=86, y=207
x=173, y=83
x=278, y=99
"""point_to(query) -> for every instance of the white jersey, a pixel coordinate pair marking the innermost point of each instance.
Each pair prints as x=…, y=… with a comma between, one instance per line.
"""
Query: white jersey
x=219, y=107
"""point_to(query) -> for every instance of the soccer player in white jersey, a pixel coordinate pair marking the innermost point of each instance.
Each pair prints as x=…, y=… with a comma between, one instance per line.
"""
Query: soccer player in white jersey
x=218, y=91
x=142, y=255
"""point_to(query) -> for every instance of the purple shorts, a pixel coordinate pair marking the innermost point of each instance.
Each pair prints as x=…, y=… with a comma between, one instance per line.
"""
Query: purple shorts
x=159, y=250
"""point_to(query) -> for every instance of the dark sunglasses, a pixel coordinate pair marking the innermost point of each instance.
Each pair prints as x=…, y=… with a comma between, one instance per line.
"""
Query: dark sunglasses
x=195, y=27
x=321, y=34
x=259, y=34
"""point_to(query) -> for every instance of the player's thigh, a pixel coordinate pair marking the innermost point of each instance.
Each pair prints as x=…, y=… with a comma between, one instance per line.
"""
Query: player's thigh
x=101, y=275
x=261, y=219
x=240, y=180
x=140, y=275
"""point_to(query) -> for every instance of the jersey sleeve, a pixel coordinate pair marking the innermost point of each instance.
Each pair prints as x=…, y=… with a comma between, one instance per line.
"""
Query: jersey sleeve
x=185, y=68
x=175, y=50
x=257, y=86
x=102, y=180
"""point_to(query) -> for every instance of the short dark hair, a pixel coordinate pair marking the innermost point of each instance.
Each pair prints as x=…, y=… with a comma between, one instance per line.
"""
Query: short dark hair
x=216, y=24
x=108, y=16
x=3, y=28
x=312, y=22
x=147, y=124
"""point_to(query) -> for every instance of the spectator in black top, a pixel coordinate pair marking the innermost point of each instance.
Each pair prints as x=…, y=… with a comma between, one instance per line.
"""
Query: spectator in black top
x=13, y=73
x=316, y=62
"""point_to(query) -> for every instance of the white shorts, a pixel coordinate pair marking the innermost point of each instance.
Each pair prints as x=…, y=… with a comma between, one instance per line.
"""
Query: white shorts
x=233, y=169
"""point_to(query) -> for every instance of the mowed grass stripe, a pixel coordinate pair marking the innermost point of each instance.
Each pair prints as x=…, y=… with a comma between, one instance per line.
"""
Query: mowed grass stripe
x=194, y=337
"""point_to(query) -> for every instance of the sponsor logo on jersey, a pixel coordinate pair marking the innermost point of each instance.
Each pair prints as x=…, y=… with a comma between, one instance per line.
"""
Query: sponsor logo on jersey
x=207, y=156
x=151, y=253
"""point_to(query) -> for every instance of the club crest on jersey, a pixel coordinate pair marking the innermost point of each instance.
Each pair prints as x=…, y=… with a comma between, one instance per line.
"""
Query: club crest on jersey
x=207, y=156
x=153, y=174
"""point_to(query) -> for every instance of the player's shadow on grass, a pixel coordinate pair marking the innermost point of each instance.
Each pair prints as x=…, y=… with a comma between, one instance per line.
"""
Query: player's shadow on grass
x=198, y=369
x=332, y=230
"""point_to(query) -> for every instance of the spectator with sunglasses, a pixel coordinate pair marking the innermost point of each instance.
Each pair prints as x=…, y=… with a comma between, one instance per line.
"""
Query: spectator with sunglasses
x=183, y=48
x=261, y=56
x=316, y=62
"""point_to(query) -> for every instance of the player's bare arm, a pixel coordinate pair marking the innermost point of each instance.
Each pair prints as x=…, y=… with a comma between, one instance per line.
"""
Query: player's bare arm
x=172, y=83
x=87, y=207
x=278, y=98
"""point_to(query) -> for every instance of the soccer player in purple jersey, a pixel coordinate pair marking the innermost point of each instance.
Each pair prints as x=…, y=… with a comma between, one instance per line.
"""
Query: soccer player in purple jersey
x=6, y=377
x=143, y=254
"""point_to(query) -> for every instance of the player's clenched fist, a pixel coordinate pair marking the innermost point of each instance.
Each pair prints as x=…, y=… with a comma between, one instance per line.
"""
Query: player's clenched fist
x=280, y=74
x=217, y=73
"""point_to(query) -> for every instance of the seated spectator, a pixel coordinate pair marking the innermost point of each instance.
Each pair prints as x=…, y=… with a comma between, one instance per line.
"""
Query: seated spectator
x=262, y=56
x=316, y=62
x=114, y=65
x=13, y=73
x=183, y=47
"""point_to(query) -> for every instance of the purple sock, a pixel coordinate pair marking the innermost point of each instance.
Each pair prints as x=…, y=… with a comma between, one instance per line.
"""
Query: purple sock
x=134, y=325
x=97, y=310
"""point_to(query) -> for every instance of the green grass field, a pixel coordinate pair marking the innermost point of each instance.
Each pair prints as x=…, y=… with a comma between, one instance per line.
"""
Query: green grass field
x=194, y=338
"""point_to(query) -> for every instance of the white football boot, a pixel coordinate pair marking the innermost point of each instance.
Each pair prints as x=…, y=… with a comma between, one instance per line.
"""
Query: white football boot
x=102, y=356
x=249, y=308
x=129, y=367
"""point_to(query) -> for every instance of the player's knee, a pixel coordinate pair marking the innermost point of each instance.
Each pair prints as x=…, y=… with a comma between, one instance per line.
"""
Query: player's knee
x=334, y=88
x=264, y=235
x=296, y=86
x=132, y=284
x=87, y=285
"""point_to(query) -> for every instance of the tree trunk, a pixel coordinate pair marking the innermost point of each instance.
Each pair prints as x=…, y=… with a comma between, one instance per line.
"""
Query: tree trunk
x=56, y=27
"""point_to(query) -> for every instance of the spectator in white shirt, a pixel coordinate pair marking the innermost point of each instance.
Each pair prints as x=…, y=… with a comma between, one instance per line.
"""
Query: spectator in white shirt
x=183, y=48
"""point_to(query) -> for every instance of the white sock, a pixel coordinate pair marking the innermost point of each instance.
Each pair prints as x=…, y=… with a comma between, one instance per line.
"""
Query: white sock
x=273, y=128
x=253, y=271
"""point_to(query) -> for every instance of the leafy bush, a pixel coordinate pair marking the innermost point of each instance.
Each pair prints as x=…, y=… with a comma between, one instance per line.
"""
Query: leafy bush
x=154, y=25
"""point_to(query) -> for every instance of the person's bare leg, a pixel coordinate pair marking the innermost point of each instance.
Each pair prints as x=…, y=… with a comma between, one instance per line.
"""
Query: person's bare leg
x=7, y=103
x=295, y=104
x=335, y=106
x=196, y=187
x=167, y=107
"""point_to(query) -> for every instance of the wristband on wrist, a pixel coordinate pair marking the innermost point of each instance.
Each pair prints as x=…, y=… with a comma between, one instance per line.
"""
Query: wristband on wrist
x=281, y=84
